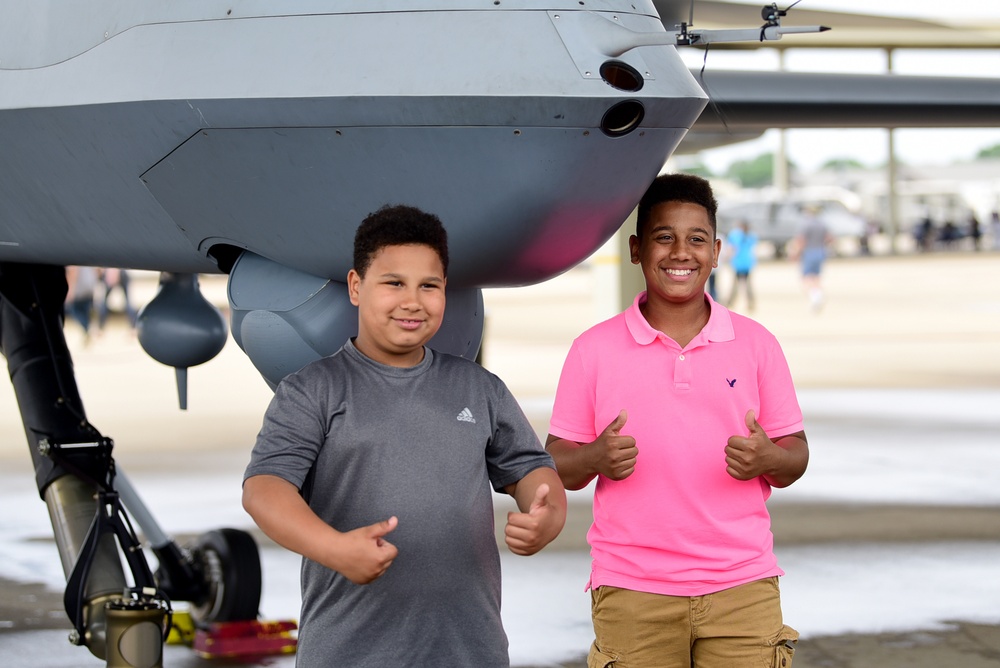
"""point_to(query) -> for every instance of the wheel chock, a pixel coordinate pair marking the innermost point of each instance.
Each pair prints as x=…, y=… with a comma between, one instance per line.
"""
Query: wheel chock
x=181, y=629
x=246, y=638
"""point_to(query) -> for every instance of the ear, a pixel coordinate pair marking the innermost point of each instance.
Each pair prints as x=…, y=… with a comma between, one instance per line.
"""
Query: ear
x=718, y=249
x=633, y=248
x=353, y=286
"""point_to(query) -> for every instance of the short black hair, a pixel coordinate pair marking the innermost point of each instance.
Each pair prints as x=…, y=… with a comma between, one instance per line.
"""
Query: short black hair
x=676, y=188
x=398, y=225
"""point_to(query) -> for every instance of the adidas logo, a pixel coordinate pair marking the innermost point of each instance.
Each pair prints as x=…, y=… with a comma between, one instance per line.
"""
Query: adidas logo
x=466, y=416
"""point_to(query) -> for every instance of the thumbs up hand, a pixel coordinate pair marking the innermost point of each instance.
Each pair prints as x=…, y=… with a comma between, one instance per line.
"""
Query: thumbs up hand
x=365, y=554
x=752, y=455
x=527, y=533
x=615, y=454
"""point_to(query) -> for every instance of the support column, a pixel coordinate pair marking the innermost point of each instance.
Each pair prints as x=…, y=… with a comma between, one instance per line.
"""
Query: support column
x=616, y=280
x=782, y=180
x=893, y=226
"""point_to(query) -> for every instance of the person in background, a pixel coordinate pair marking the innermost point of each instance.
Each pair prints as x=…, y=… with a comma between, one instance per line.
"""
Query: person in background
x=114, y=279
x=79, y=306
x=742, y=245
x=975, y=231
x=811, y=248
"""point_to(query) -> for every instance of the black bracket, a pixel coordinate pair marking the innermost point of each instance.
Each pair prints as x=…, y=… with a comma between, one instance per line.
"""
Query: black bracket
x=93, y=463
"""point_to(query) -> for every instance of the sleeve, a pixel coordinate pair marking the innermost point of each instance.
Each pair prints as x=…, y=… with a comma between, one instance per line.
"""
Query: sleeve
x=573, y=413
x=780, y=413
x=291, y=435
x=513, y=450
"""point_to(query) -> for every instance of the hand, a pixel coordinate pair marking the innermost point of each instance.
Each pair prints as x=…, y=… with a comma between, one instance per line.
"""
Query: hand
x=365, y=554
x=749, y=456
x=615, y=454
x=527, y=533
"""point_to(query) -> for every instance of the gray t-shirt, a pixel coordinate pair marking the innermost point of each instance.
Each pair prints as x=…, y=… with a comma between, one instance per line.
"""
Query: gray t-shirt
x=814, y=233
x=366, y=441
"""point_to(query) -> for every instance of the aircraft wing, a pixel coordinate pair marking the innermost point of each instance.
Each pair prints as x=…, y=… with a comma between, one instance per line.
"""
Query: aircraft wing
x=743, y=104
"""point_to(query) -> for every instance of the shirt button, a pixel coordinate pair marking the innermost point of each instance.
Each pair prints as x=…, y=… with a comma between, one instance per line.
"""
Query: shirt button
x=681, y=358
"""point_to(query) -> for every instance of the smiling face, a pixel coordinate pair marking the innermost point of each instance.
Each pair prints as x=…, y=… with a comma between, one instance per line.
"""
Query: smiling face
x=677, y=252
x=400, y=303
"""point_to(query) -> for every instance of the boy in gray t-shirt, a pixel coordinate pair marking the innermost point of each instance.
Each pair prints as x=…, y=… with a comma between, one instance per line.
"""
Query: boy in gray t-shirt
x=375, y=464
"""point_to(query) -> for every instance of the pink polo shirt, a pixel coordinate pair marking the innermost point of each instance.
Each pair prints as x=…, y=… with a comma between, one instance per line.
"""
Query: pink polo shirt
x=679, y=525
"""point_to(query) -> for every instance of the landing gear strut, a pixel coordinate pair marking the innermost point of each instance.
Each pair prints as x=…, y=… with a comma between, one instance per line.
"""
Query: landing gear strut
x=120, y=618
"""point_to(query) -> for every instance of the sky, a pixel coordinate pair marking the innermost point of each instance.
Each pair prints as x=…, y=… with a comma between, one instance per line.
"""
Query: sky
x=809, y=149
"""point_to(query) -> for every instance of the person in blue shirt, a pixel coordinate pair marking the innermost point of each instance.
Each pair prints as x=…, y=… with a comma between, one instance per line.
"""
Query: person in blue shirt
x=742, y=245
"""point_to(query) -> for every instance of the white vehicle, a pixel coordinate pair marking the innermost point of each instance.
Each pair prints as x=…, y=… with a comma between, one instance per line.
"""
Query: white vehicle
x=777, y=220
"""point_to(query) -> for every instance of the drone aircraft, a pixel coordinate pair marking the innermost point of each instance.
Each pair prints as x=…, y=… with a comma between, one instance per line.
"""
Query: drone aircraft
x=249, y=139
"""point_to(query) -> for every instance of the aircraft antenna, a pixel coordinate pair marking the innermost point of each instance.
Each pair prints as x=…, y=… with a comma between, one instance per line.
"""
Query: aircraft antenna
x=772, y=16
x=771, y=30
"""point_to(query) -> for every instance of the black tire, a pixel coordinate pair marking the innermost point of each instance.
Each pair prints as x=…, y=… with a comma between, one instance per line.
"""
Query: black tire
x=230, y=563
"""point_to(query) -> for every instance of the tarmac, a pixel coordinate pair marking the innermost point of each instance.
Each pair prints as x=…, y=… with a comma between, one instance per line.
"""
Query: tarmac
x=929, y=321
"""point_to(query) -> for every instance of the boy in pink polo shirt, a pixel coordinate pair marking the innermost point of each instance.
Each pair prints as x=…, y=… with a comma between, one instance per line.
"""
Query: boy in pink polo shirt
x=686, y=415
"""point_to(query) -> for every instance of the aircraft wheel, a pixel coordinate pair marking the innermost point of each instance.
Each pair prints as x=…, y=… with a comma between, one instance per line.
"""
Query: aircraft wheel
x=231, y=565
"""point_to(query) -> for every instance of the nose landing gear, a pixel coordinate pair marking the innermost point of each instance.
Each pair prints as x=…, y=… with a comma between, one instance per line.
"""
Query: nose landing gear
x=120, y=617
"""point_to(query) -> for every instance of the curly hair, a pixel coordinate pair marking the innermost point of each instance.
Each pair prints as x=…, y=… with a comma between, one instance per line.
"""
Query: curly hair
x=676, y=188
x=398, y=225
